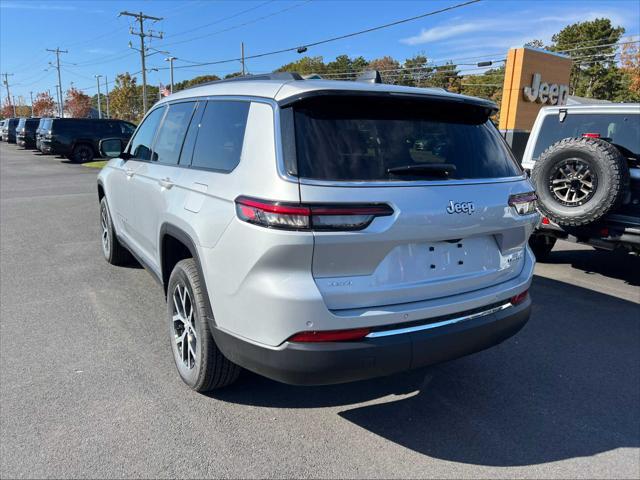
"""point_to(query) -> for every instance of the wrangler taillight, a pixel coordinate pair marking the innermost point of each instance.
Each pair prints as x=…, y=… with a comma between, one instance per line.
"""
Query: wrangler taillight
x=300, y=216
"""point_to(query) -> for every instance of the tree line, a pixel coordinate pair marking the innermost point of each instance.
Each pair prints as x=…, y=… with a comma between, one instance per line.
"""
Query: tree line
x=593, y=45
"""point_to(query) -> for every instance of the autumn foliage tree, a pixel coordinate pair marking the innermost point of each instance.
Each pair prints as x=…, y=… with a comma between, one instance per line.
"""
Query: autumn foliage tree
x=44, y=105
x=77, y=103
x=630, y=64
x=7, y=109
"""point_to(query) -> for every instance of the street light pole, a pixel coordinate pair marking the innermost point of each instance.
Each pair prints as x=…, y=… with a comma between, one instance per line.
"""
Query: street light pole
x=170, y=60
x=106, y=86
x=99, y=106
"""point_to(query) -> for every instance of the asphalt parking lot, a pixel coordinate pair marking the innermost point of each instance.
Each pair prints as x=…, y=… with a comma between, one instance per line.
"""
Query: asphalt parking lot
x=88, y=387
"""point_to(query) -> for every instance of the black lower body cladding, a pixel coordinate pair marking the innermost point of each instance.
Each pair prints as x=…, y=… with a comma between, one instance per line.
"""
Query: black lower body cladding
x=340, y=362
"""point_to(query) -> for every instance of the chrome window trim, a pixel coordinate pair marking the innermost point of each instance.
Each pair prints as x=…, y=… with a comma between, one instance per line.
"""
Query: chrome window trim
x=429, y=326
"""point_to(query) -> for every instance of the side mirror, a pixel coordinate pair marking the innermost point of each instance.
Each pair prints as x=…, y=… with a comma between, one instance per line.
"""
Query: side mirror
x=113, y=148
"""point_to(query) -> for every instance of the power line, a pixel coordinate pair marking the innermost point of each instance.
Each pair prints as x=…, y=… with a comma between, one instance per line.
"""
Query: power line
x=141, y=17
x=57, y=51
x=264, y=17
x=342, y=37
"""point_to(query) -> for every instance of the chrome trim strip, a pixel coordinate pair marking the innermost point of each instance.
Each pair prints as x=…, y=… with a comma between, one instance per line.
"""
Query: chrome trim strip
x=451, y=321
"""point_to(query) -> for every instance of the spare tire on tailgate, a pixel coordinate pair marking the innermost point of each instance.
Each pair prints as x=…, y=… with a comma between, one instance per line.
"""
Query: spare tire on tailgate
x=579, y=180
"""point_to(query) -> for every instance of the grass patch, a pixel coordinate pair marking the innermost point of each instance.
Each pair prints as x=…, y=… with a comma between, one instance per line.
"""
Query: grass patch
x=98, y=164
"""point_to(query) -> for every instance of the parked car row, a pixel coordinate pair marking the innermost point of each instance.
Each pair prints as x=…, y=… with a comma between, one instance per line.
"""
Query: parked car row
x=74, y=138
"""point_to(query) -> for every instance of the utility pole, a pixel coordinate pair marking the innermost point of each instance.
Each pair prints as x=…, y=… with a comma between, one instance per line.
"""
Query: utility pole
x=6, y=84
x=141, y=17
x=14, y=106
x=242, y=56
x=31, y=94
x=98, y=77
x=58, y=97
x=106, y=86
x=57, y=51
x=170, y=60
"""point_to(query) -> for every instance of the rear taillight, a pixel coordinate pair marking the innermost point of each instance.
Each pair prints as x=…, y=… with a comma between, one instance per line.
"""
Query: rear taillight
x=330, y=335
x=590, y=135
x=519, y=298
x=524, y=203
x=290, y=216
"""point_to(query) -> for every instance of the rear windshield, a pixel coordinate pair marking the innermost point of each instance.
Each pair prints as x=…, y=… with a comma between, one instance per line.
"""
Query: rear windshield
x=21, y=122
x=381, y=139
x=618, y=128
x=45, y=124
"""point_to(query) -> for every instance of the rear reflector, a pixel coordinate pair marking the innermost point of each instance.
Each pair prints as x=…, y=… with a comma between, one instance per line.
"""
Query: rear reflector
x=519, y=298
x=330, y=335
x=289, y=216
x=545, y=221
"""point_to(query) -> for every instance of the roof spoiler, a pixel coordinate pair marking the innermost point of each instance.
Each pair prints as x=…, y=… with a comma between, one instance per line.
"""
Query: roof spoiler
x=370, y=76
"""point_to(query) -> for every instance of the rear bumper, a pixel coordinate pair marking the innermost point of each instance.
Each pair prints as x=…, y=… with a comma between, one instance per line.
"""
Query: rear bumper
x=340, y=362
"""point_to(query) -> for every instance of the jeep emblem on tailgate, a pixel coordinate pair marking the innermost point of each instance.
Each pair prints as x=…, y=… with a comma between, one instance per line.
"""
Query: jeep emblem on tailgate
x=460, y=207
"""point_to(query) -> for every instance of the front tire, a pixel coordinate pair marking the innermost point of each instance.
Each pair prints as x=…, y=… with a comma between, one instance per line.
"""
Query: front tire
x=200, y=363
x=112, y=249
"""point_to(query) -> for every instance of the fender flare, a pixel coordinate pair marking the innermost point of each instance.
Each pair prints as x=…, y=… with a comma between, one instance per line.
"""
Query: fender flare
x=179, y=234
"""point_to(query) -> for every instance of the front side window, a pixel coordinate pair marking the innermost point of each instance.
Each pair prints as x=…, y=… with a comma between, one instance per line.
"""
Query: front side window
x=127, y=128
x=171, y=134
x=142, y=142
x=221, y=135
x=346, y=138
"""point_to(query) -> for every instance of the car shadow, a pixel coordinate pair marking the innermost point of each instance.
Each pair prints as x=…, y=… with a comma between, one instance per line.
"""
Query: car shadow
x=615, y=264
x=567, y=385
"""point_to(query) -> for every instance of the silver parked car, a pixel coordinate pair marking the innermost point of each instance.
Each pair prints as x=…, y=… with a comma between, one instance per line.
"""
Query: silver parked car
x=299, y=231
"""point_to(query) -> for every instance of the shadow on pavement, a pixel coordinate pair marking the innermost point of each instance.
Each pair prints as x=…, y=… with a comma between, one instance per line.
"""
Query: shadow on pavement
x=568, y=385
x=616, y=264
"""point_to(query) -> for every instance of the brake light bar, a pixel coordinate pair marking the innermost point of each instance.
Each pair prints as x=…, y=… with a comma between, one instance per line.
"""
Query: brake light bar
x=327, y=217
x=524, y=203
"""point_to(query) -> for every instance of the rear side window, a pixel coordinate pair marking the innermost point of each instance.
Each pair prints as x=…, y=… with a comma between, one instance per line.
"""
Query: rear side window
x=618, y=128
x=221, y=135
x=140, y=146
x=171, y=134
x=389, y=139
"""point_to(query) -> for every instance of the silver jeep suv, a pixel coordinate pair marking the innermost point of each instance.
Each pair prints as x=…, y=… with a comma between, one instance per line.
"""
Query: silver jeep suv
x=317, y=231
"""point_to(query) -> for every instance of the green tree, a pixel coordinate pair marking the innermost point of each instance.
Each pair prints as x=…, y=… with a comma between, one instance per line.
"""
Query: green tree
x=305, y=66
x=594, y=72
x=126, y=99
x=194, y=81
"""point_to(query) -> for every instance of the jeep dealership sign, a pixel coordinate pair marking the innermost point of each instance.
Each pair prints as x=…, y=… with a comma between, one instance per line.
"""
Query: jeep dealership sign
x=543, y=92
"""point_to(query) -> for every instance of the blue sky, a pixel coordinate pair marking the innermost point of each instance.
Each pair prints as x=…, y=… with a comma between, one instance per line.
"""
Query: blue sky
x=210, y=30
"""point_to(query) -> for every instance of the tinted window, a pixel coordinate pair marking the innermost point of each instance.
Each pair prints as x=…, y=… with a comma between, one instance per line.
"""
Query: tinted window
x=220, y=136
x=620, y=129
x=140, y=146
x=127, y=128
x=171, y=134
x=360, y=139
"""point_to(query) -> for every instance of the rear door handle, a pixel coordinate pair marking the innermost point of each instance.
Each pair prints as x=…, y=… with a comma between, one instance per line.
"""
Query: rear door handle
x=129, y=172
x=166, y=183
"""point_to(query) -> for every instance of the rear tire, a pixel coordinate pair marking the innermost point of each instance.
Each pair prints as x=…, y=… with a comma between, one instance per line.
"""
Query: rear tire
x=200, y=363
x=580, y=180
x=82, y=153
x=541, y=245
x=112, y=249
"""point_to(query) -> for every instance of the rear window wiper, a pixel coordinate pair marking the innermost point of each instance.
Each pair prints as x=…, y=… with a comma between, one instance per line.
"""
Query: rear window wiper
x=434, y=169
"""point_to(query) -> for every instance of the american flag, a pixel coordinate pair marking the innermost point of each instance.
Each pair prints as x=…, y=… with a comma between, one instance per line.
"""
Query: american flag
x=164, y=91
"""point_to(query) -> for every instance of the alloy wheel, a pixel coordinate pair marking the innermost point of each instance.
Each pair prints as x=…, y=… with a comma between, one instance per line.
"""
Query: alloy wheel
x=572, y=183
x=104, y=225
x=184, y=330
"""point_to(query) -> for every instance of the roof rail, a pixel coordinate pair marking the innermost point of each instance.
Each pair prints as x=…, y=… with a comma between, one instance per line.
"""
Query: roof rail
x=370, y=76
x=262, y=76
